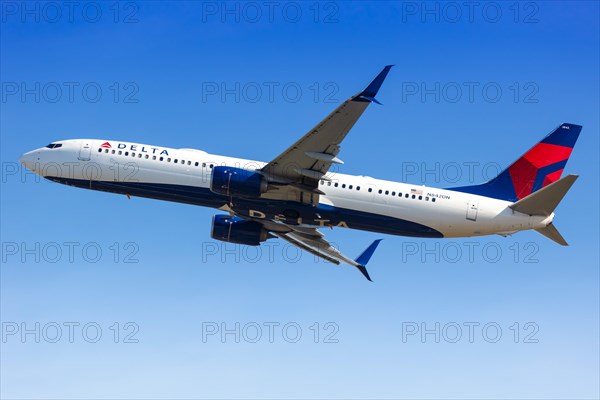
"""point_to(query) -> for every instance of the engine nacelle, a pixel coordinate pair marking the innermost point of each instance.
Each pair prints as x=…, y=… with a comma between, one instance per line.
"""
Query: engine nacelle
x=238, y=230
x=230, y=181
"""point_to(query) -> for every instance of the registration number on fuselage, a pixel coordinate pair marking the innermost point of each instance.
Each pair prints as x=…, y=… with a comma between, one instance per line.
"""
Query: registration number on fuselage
x=439, y=196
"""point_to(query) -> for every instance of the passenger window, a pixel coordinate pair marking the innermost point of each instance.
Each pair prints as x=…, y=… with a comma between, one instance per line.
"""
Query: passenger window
x=414, y=196
x=99, y=150
x=370, y=190
x=196, y=164
x=433, y=200
x=147, y=156
x=399, y=194
x=343, y=186
x=139, y=155
x=189, y=163
x=211, y=165
x=426, y=198
x=126, y=153
x=120, y=152
x=168, y=159
x=132, y=154
x=380, y=191
x=162, y=158
x=203, y=165
x=183, y=161
x=420, y=197
x=106, y=150
x=154, y=157
x=328, y=183
x=358, y=188
x=113, y=152
x=387, y=192
x=406, y=195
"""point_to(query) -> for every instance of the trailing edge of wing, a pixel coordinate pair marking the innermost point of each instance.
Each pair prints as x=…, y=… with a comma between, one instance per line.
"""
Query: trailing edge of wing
x=313, y=242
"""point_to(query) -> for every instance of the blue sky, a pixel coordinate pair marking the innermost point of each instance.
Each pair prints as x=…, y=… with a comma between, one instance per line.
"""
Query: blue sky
x=474, y=87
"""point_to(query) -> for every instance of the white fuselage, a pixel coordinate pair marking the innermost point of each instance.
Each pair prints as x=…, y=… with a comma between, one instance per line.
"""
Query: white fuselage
x=358, y=202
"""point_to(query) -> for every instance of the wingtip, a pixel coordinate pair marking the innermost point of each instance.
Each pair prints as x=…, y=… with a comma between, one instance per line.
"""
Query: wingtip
x=363, y=270
x=371, y=91
x=364, y=258
x=366, y=255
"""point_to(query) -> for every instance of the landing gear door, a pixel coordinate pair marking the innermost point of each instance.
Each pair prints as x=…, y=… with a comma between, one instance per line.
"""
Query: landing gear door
x=85, y=152
x=472, y=209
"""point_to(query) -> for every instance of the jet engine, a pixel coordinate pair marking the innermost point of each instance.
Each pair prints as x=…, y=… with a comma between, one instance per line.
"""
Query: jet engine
x=230, y=181
x=238, y=230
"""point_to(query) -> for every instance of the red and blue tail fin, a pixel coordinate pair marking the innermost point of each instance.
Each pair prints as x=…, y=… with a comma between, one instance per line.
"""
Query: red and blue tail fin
x=540, y=166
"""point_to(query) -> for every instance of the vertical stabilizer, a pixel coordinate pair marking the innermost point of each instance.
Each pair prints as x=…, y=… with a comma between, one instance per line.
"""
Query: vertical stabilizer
x=540, y=166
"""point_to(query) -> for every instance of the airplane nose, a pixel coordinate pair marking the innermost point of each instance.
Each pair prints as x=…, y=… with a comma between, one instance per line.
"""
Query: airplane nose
x=29, y=160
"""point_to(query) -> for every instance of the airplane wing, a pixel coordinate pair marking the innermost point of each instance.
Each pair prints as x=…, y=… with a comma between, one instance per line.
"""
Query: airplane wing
x=314, y=242
x=296, y=172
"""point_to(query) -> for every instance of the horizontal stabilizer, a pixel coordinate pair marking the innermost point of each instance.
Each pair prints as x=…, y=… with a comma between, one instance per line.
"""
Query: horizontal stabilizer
x=544, y=201
x=552, y=233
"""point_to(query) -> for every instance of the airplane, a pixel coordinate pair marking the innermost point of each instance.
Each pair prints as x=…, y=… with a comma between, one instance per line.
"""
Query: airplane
x=295, y=194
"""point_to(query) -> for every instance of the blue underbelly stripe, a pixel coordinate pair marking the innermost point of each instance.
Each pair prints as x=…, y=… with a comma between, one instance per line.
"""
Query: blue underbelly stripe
x=201, y=196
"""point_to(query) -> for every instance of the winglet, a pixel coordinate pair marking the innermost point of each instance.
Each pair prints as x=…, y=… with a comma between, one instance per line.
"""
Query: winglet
x=371, y=91
x=364, y=258
x=364, y=271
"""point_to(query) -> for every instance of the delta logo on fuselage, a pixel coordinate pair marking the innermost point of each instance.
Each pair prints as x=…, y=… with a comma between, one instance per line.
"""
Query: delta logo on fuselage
x=136, y=147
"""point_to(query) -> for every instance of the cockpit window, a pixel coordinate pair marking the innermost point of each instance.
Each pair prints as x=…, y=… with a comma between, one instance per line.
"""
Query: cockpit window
x=54, y=145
